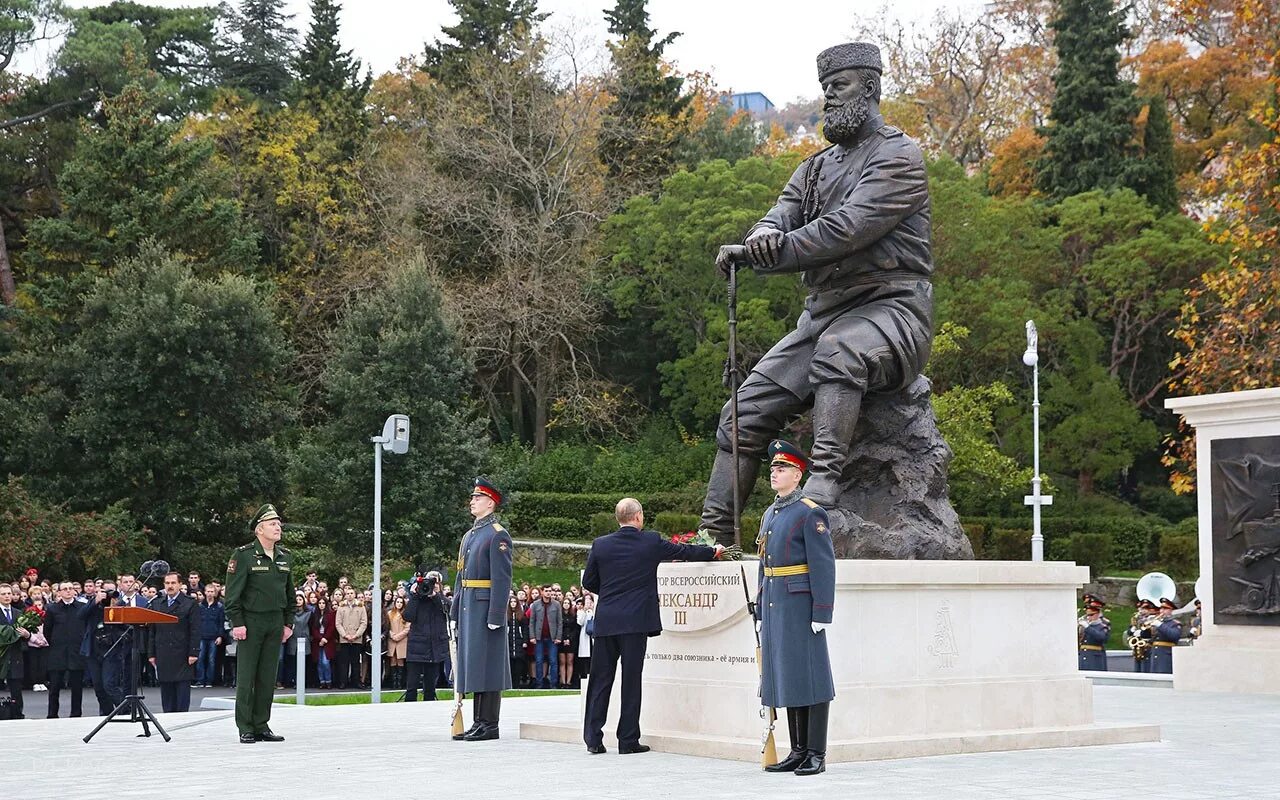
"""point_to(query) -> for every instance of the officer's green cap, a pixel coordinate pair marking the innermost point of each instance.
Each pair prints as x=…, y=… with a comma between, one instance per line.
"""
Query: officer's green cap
x=265, y=512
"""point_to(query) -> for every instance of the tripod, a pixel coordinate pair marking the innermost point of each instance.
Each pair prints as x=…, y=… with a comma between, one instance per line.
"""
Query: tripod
x=133, y=705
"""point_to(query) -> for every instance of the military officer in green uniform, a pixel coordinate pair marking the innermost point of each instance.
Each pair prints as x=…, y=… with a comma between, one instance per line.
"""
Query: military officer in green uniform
x=260, y=608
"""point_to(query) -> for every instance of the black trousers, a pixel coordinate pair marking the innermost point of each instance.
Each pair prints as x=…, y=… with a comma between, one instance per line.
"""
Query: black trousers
x=348, y=673
x=14, y=685
x=175, y=696
x=424, y=675
x=75, y=682
x=606, y=651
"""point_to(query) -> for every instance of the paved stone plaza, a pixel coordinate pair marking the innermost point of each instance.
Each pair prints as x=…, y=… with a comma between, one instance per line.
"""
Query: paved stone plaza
x=401, y=750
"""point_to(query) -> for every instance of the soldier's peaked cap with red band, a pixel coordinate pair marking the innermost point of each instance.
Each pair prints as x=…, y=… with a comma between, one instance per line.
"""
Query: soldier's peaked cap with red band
x=781, y=452
x=486, y=489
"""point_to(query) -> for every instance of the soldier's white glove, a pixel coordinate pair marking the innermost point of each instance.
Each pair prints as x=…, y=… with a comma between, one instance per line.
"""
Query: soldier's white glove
x=453, y=628
x=757, y=626
x=819, y=627
x=492, y=627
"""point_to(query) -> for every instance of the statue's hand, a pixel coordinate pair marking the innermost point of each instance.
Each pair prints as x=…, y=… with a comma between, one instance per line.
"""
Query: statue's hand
x=764, y=247
x=731, y=257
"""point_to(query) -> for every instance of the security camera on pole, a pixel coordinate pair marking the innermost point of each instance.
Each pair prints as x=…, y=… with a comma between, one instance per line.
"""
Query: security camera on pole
x=394, y=439
x=1032, y=359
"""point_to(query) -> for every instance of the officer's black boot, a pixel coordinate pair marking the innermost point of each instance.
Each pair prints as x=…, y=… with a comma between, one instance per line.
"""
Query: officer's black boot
x=717, y=510
x=476, y=721
x=797, y=726
x=835, y=413
x=816, y=760
x=490, y=702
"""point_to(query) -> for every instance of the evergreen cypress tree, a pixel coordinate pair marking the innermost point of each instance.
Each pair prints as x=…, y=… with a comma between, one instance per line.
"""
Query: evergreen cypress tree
x=496, y=27
x=1154, y=176
x=261, y=60
x=1092, y=140
x=647, y=116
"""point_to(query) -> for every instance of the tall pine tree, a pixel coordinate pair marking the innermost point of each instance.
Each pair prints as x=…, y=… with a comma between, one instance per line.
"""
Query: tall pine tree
x=1092, y=139
x=329, y=84
x=261, y=59
x=497, y=27
x=648, y=114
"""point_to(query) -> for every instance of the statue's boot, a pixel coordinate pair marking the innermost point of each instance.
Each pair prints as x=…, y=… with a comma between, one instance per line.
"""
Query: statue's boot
x=835, y=413
x=798, y=727
x=717, y=510
x=816, y=744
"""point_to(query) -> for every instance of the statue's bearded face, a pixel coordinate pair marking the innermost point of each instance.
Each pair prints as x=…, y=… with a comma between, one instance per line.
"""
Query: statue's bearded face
x=846, y=105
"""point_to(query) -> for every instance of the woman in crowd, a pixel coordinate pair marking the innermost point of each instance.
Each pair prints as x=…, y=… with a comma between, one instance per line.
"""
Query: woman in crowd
x=37, y=648
x=535, y=596
x=517, y=637
x=289, y=660
x=324, y=642
x=569, y=645
x=586, y=618
x=397, y=644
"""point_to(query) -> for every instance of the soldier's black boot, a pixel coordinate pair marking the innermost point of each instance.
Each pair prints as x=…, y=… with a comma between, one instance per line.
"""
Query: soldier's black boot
x=816, y=758
x=717, y=509
x=835, y=413
x=797, y=726
x=476, y=721
x=490, y=703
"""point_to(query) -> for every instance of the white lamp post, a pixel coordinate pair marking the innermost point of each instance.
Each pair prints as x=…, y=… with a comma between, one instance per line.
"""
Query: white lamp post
x=1032, y=359
x=394, y=439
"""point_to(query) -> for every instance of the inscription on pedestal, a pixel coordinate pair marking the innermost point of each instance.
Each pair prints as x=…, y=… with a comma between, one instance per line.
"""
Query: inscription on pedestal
x=1245, y=536
x=943, y=645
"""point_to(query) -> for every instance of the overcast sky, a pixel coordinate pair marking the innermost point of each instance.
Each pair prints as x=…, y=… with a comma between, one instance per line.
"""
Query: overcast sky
x=747, y=45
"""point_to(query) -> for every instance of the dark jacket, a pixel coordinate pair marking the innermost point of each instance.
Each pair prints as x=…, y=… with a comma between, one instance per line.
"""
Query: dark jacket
x=517, y=634
x=212, y=618
x=325, y=628
x=171, y=644
x=64, y=629
x=18, y=649
x=428, y=619
x=622, y=570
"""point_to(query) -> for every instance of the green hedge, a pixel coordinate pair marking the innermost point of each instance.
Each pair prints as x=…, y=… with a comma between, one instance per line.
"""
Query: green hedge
x=1012, y=544
x=1093, y=550
x=562, y=528
x=670, y=523
x=977, y=538
x=1134, y=539
x=602, y=522
x=528, y=508
x=1180, y=556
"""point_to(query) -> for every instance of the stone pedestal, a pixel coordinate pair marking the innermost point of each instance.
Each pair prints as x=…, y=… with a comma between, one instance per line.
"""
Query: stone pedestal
x=1237, y=467
x=929, y=658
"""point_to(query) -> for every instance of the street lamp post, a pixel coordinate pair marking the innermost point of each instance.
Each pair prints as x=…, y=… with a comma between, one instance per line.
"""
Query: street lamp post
x=394, y=439
x=1032, y=359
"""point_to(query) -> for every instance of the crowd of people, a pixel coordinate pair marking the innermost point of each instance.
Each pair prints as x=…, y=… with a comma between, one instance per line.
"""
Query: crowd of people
x=72, y=650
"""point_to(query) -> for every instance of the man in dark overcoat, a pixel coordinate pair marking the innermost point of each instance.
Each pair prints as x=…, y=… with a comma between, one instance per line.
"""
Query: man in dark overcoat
x=854, y=221
x=16, y=638
x=64, y=628
x=479, y=613
x=794, y=604
x=175, y=646
x=622, y=571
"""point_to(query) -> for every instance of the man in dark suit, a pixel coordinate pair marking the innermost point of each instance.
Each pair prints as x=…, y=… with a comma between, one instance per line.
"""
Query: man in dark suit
x=64, y=628
x=175, y=647
x=622, y=570
x=9, y=612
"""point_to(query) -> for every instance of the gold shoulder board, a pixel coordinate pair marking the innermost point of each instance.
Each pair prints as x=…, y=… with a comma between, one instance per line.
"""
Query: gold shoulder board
x=808, y=502
x=498, y=527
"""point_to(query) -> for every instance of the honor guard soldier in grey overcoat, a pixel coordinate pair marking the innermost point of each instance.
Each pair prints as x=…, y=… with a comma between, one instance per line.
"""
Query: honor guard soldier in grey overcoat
x=854, y=221
x=479, y=613
x=1167, y=633
x=1093, y=634
x=260, y=609
x=794, y=604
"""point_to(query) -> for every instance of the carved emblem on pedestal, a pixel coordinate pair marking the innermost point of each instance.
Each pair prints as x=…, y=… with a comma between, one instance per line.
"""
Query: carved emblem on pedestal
x=943, y=645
